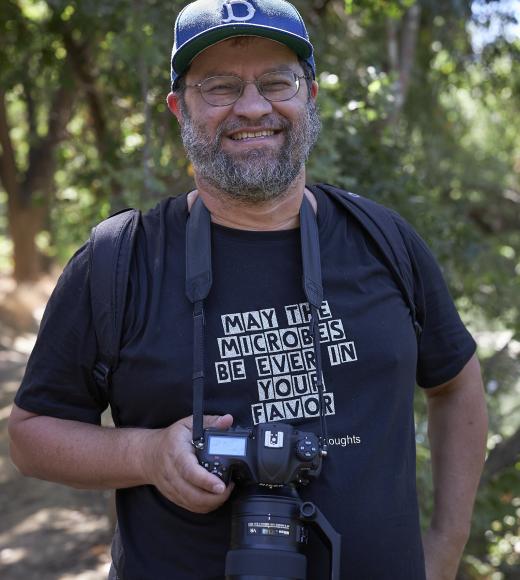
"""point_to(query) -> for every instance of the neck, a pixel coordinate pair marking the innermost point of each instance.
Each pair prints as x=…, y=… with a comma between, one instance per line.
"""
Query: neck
x=281, y=213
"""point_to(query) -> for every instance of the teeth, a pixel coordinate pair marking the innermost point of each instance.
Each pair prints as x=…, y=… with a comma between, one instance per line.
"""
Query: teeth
x=252, y=134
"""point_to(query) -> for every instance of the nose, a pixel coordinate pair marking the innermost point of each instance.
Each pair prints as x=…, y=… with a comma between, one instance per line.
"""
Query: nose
x=251, y=103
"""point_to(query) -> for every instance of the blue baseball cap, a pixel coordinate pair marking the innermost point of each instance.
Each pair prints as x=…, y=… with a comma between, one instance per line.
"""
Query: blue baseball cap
x=203, y=23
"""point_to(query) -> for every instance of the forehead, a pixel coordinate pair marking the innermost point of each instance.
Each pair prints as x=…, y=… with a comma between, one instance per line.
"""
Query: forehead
x=244, y=56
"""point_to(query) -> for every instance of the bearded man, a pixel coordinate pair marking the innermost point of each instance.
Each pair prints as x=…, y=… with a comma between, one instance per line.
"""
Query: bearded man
x=244, y=92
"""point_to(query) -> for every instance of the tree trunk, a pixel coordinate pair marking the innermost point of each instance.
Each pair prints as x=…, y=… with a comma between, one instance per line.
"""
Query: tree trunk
x=29, y=192
x=401, y=44
x=25, y=222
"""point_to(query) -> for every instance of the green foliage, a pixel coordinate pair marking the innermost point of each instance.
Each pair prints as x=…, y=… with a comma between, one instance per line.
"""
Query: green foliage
x=369, y=10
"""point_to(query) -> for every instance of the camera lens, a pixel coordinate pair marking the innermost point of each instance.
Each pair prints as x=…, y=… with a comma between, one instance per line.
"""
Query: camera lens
x=267, y=537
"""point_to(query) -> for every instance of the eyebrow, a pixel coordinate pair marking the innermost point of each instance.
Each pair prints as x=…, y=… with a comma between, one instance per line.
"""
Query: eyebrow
x=221, y=72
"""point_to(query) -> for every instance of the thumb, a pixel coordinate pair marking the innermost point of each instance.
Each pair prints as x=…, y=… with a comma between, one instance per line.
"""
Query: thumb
x=218, y=421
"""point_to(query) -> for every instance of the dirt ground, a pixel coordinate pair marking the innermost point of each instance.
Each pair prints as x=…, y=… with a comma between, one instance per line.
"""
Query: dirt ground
x=47, y=531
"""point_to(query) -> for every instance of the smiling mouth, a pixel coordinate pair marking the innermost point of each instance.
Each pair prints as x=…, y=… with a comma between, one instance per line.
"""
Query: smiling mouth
x=252, y=134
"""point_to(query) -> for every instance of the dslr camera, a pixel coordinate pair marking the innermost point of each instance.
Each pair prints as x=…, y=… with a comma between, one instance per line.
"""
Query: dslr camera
x=270, y=522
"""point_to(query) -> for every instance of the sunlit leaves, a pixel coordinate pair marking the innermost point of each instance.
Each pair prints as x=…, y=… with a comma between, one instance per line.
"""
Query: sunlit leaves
x=35, y=10
x=67, y=12
x=371, y=9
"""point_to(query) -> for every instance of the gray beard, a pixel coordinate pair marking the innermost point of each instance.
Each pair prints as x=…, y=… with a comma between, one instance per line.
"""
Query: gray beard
x=258, y=174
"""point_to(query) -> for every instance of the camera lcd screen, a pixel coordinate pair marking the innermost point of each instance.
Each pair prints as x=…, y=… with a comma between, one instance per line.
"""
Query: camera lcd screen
x=227, y=445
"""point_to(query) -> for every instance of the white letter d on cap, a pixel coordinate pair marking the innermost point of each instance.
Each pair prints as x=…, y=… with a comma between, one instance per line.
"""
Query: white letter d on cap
x=232, y=17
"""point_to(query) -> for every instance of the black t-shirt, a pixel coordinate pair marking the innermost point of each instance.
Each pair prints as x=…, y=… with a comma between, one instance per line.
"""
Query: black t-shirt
x=260, y=367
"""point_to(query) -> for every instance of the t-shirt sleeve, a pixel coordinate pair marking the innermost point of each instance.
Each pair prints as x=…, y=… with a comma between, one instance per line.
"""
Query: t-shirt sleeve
x=445, y=345
x=58, y=380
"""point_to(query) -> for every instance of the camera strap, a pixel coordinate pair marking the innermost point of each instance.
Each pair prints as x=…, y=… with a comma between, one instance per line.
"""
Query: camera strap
x=198, y=285
x=313, y=289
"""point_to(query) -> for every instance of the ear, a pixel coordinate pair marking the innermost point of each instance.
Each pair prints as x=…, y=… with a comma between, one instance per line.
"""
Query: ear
x=174, y=105
x=314, y=90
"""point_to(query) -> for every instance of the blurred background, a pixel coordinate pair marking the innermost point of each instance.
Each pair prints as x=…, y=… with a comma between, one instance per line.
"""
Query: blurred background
x=420, y=103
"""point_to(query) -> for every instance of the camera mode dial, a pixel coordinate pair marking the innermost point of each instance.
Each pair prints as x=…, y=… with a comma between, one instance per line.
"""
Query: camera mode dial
x=307, y=449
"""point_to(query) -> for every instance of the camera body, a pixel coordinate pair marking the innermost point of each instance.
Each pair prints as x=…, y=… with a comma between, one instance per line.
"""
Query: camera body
x=269, y=521
x=269, y=454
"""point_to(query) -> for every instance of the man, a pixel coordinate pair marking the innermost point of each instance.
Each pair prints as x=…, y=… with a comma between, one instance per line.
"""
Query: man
x=244, y=93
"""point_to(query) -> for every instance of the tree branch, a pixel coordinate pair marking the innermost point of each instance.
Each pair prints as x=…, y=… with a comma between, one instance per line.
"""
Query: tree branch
x=320, y=6
x=497, y=219
x=401, y=56
x=40, y=172
x=489, y=366
x=8, y=169
x=31, y=110
x=408, y=47
x=392, y=44
x=106, y=142
x=142, y=68
x=79, y=57
x=504, y=455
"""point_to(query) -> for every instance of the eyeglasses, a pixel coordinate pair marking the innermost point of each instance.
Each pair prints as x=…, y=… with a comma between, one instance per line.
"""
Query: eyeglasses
x=225, y=90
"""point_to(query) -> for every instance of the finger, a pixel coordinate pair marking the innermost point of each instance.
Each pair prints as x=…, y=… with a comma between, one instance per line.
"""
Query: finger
x=199, y=501
x=210, y=501
x=196, y=475
x=218, y=421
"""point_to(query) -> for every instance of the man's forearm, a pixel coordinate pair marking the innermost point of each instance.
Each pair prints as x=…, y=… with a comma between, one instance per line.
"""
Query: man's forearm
x=78, y=454
x=457, y=428
x=92, y=457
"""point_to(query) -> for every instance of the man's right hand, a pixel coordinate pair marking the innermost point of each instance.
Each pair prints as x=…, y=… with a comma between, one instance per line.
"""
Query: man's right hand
x=171, y=465
x=93, y=457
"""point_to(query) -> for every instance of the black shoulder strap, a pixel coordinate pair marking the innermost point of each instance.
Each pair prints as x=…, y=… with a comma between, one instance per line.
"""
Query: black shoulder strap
x=198, y=284
x=380, y=225
x=111, y=248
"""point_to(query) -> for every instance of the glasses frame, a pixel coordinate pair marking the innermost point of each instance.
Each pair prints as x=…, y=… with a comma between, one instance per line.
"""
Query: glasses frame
x=256, y=82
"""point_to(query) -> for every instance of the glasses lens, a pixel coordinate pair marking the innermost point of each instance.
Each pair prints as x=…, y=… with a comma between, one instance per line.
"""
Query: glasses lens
x=279, y=86
x=222, y=90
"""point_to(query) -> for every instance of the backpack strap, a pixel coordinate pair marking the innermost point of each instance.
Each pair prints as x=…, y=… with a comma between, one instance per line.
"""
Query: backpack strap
x=111, y=248
x=379, y=223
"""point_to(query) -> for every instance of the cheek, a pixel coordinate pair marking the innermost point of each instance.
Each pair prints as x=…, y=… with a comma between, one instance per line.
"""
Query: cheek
x=211, y=120
x=293, y=113
x=294, y=108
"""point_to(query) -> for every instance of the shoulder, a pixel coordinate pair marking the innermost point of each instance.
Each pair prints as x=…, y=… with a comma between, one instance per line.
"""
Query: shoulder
x=363, y=208
x=70, y=299
x=166, y=209
x=76, y=271
x=131, y=227
x=157, y=224
x=366, y=208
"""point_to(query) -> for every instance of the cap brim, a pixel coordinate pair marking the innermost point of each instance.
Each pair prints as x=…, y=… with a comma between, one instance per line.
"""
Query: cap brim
x=196, y=45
